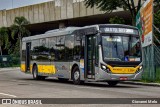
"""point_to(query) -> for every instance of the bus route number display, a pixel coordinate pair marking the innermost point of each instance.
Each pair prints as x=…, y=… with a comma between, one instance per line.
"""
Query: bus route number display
x=119, y=30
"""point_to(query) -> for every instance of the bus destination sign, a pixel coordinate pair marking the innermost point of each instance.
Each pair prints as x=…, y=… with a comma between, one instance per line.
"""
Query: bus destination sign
x=119, y=30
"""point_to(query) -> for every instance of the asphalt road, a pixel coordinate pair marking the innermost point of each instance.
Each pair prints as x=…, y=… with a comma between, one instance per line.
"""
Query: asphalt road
x=15, y=84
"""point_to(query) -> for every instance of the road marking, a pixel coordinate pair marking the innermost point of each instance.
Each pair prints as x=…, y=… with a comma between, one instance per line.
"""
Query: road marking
x=8, y=95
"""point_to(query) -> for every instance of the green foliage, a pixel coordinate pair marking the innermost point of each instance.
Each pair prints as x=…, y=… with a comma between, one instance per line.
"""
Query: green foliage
x=156, y=4
x=18, y=27
x=4, y=38
x=10, y=37
x=110, y=5
x=157, y=18
x=14, y=49
x=116, y=20
x=12, y=61
x=18, y=31
x=157, y=24
x=4, y=33
x=105, y=5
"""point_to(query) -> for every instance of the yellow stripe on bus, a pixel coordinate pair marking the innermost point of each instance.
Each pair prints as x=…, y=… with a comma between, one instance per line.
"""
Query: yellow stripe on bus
x=48, y=69
x=23, y=67
x=123, y=70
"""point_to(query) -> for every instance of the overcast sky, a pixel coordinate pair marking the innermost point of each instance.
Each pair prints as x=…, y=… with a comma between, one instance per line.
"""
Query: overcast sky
x=8, y=4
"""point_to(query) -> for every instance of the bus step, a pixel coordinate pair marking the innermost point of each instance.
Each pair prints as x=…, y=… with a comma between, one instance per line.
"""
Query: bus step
x=90, y=76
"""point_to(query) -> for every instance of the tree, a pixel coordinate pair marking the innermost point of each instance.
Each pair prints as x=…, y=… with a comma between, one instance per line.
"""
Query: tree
x=18, y=30
x=110, y=5
x=116, y=20
x=157, y=23
x=157, y=18
x=4, y=35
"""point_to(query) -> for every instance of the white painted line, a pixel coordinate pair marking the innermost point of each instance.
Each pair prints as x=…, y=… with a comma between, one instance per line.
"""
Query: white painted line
x=8, y=95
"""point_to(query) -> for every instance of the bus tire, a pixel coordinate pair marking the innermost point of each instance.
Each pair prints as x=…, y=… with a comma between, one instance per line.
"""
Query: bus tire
x=112, y=83
x=35, y=73
x=76, y=76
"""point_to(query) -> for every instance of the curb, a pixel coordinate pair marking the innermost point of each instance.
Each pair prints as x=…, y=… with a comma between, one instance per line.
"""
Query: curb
x=9, y=68
x=141, y=83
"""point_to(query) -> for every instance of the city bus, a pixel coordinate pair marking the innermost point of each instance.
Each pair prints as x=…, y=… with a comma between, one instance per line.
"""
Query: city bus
x=98, y=53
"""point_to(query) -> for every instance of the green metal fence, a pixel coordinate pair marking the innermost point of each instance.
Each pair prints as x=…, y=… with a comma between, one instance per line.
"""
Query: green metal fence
x=151, y=58
x=9, y=61
x=151, y=63
x=157, y=63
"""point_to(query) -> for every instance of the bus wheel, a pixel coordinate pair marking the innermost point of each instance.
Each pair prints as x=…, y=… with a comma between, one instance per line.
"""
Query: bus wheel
x=35, y=73
x=112, y=83
x=76, y=76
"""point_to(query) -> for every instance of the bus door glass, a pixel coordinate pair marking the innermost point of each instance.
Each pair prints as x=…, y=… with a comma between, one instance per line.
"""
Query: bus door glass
x=27, y=62
x=90, y=55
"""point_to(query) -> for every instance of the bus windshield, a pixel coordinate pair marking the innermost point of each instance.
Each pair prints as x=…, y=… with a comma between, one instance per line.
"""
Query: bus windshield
x=121, y=48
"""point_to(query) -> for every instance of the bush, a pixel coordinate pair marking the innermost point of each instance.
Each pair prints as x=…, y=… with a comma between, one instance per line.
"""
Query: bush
x=9, y=61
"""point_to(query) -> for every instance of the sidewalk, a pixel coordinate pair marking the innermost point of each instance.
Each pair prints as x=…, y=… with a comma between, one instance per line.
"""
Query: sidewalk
x=9, y=68
x=141, y=83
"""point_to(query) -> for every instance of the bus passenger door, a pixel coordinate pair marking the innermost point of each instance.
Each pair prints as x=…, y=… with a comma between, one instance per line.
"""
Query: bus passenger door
x=90, y=56
x=27, y=61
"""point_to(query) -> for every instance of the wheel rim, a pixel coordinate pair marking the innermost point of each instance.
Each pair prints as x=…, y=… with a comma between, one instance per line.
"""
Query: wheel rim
x=76, y=75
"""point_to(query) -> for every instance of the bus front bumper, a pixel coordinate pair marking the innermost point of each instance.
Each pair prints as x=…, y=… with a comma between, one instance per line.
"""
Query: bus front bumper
x=104, y=76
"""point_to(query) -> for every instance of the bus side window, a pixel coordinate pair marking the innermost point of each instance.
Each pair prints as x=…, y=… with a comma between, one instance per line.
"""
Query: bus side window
x=35, y=49
x=77, y=47
x=60, y=47
x=43, y=49
x=52, y=48
x=69, y=45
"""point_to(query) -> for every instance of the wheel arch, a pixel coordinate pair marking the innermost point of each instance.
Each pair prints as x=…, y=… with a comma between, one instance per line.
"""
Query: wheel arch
x=74, y=65
x=34, y=64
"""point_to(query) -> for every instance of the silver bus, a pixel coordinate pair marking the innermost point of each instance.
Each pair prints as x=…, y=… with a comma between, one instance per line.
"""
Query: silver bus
x=105, y=52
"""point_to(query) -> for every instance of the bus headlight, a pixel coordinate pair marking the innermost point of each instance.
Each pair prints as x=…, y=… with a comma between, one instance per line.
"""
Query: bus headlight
x=105, y=68
x=140, y=67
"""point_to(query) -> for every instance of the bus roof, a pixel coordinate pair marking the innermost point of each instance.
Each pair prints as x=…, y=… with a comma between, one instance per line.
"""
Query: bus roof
x=70, y=30
x=118, y=25
x=50, y=33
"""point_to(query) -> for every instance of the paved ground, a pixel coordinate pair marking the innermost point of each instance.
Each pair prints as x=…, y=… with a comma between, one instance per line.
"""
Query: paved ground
x=14, y=84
